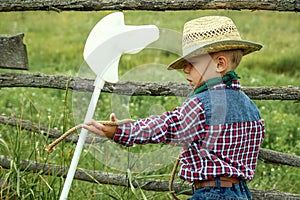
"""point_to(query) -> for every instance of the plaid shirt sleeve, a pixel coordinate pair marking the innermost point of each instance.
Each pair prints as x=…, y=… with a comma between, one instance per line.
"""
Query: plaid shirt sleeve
x=178, y=127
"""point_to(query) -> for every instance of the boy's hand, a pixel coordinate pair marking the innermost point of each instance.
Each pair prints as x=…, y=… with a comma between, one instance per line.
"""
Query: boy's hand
x=100, y=129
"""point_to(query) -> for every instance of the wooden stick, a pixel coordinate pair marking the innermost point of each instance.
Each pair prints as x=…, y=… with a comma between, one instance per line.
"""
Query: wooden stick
x=173, y=193
x=51, y=146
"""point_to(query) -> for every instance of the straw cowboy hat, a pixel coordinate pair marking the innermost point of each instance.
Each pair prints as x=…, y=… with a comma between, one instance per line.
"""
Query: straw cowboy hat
x=209, y=35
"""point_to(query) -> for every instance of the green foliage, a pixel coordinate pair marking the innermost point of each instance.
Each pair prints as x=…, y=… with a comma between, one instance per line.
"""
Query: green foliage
x=55, y=43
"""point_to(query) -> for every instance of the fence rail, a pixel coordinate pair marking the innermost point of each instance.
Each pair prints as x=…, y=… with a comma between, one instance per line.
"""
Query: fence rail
x=38, y=80
x=122, y=180
x=266, y=155
x=155, y=5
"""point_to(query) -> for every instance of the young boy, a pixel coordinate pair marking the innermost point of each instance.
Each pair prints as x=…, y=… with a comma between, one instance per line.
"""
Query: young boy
x=218, y=126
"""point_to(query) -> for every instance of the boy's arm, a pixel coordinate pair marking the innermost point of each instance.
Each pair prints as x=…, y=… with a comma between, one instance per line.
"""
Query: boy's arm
x=179, y=127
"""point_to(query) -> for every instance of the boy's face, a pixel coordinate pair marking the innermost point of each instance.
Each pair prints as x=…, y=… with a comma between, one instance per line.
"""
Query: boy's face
x=198, y=69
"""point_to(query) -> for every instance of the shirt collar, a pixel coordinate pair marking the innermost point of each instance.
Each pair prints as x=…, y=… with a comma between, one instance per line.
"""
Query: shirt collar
x=235, y=85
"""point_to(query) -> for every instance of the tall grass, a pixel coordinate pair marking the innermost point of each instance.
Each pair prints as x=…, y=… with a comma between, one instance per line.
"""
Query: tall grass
x=55, y=43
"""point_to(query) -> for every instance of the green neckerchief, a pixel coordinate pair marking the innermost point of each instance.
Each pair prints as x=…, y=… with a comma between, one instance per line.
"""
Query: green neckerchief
x=226, y=79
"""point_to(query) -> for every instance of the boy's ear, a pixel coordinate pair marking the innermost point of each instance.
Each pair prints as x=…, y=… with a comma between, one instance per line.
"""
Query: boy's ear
x=222, y=64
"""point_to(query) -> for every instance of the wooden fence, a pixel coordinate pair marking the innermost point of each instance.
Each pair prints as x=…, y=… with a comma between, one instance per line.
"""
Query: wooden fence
x=19, y=60
x=156, y=5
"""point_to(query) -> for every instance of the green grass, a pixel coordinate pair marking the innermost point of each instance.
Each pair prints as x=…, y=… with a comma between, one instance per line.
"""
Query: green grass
x=55, y=43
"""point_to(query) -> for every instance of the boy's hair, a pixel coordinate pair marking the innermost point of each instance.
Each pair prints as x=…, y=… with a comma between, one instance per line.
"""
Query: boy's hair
x=235, y=57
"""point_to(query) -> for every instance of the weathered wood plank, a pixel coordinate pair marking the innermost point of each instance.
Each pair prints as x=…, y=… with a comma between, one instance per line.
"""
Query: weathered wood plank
x=156, y=5
x=13, y=53
x=135, y=88
x=122, y=179
x=276, y=157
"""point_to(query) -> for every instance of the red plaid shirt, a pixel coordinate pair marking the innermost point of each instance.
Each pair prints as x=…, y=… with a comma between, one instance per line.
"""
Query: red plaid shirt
x=233, y=153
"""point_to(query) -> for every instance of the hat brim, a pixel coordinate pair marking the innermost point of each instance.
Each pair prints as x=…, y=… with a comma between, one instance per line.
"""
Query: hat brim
x=246, y=46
